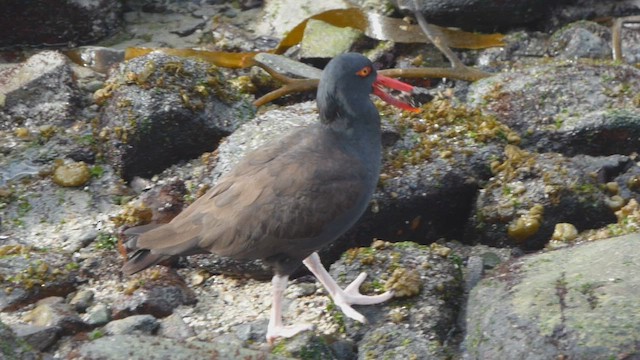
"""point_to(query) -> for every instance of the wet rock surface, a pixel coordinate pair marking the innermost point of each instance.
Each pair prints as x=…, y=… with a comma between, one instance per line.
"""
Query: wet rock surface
x=538, y=156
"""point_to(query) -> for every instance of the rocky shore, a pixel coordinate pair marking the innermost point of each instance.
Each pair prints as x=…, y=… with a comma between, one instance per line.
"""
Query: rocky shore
x=506, y=218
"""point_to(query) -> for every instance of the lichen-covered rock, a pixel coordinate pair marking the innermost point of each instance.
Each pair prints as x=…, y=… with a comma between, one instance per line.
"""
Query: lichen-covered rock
x=418, y=321
x=160, y=109
x=28, y=275
x=578, y=302
x=530, y=193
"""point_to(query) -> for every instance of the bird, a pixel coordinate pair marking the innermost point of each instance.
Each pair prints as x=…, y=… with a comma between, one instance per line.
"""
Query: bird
x=286, y=200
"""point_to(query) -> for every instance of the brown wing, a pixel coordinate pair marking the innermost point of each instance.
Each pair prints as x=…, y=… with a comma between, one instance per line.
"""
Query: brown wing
x=293, y=196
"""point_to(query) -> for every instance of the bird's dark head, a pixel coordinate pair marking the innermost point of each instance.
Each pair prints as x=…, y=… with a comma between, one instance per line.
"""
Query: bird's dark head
x=345, y=86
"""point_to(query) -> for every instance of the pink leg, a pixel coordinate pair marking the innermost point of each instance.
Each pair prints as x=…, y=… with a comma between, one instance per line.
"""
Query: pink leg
x=275, y=329
x=350, y=295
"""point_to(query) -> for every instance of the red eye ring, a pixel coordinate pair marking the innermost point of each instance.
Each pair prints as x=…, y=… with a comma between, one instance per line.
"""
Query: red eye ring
x=364, y=72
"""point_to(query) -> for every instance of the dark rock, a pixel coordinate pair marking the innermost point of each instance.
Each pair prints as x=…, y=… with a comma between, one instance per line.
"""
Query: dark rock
x=157, y=291
x=52, y=22
x=530, y=193
x=39, y=91
x=141, y=347
x=136, y=324
x=174, y=327
x=160, y=109
x=39, y=337
x=598, y=115
x=570, y=11
x=14, y=348
x=576, y=303
x=52, y=311
x=478, y=14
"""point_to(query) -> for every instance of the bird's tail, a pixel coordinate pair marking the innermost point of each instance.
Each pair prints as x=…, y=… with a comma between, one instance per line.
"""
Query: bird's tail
x=141, y=258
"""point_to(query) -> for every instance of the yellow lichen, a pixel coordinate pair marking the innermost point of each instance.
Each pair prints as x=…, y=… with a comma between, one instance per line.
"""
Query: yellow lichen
x=527, y=224
x=133, y=215
x=404, y=282
x=564, y=232
x=446, y=130
x=440, y=249
x=71, y=174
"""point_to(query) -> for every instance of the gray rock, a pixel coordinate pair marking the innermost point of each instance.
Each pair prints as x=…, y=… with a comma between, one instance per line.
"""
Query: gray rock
x=136, y=324
x=39, y=337
x=39, y=91
x=578, y=302
x=141, y=347
x=160, y=109
x=97, y=315
x=58, y=22
x=14, y=348
x=82, y=300
x=582, y=40
x=174, y=327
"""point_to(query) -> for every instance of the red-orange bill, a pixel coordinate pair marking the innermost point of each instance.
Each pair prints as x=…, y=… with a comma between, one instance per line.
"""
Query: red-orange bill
x=393, y=84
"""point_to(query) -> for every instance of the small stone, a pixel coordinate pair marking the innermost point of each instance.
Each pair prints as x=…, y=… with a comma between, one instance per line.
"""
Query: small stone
x=98, y=315
x=174, y=327
x=82, y=300
x=301, y=289
x=136, y=324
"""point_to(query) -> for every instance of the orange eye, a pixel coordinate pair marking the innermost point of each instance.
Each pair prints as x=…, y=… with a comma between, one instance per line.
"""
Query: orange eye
x=364, y=72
